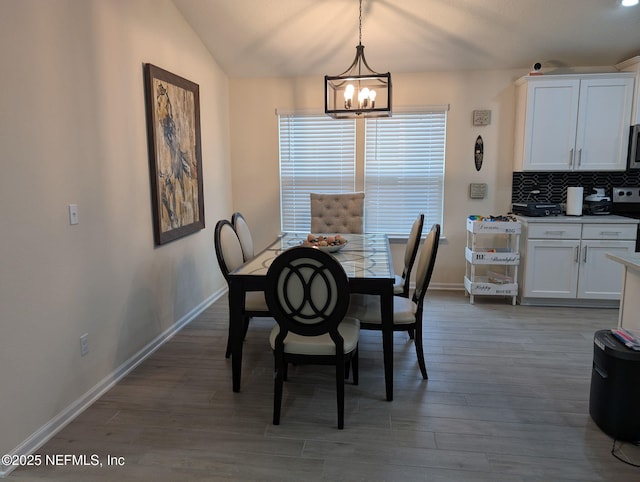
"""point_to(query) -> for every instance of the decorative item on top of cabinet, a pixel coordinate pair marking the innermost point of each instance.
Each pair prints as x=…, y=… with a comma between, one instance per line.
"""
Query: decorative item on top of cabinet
x=500, y=263
x=576, y=122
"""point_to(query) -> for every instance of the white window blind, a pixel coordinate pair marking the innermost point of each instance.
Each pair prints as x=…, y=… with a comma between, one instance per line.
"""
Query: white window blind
x=317, y=154
x=404, y=170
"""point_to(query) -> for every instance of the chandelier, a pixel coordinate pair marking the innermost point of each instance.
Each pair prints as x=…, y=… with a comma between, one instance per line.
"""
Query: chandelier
x=359, y=91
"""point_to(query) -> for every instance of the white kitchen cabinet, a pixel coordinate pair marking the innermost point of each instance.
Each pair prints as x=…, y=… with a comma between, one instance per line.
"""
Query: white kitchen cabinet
x=550, y=268
x=567, y=263
x=573, y=122
x=599, y=278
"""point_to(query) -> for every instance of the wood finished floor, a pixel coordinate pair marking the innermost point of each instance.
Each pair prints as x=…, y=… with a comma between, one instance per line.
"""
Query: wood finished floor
x=507, y=400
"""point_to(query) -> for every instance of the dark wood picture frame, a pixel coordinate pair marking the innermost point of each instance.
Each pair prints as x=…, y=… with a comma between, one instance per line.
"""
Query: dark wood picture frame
x=175, y=154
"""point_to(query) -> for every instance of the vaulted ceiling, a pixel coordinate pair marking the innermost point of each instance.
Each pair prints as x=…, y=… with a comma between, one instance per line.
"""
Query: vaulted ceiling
x=257, y=38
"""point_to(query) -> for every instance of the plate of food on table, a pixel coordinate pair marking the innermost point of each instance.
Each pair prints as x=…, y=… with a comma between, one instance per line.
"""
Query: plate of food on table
x=330, y=242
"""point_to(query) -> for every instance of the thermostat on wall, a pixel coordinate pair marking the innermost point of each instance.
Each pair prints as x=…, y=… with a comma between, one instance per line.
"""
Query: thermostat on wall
x=481, y=117
x=477, y=190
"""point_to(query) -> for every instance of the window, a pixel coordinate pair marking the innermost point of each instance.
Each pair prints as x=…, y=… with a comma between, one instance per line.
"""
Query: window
x=400, y=167
x=404, y=171
x=317, y=154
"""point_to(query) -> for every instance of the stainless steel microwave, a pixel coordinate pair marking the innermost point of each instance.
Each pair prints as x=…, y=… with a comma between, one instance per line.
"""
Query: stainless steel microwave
x=634, y=147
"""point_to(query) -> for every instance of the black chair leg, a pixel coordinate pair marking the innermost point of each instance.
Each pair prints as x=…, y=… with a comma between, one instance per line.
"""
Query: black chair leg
x=245, y=321
x=411, y=332
x=420, y=352
x=354, y=361
x=340, y=393
x=277, y=387
x=228, y=352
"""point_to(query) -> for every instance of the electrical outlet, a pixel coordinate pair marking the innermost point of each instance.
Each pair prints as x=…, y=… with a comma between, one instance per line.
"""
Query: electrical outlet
x=84, y=344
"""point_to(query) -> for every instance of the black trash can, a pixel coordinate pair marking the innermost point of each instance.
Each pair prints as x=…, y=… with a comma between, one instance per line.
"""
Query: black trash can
x=614, y=402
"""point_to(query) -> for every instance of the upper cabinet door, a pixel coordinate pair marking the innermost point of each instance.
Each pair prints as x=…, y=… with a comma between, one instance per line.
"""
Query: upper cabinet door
x=550, y=127
x=604, y=116
x=573, y=122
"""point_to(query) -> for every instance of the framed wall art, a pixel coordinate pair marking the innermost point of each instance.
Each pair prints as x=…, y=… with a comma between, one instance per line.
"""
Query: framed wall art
x=175, y=154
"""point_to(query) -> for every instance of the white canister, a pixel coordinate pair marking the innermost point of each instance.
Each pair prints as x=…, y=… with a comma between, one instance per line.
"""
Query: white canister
x=574, y=201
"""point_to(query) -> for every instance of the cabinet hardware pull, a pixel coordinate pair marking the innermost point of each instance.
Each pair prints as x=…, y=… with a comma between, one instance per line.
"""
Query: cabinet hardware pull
x=571, y=157
x=577, y=255
x=584, y=258
x=559, y=232
x=610, y=233
x=579, y=156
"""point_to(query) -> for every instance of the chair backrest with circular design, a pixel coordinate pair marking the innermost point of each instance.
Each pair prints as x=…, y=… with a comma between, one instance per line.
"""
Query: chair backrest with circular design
x=307, y=292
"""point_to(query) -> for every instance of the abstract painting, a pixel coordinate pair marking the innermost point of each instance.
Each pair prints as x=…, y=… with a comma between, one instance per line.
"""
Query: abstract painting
x=175, y=154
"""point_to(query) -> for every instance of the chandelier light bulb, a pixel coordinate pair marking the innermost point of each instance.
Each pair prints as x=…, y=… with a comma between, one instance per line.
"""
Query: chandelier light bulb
x=363, y=98
x=629, y=3
x=348, y=96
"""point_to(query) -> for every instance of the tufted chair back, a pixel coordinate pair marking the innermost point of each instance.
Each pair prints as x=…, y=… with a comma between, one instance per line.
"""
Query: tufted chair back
x=337, y=213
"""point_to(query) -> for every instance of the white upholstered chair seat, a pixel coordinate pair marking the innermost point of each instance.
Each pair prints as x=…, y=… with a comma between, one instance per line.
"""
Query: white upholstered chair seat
x=398, y=285
x=255, y=301
x=349, y=329
x=366, y=308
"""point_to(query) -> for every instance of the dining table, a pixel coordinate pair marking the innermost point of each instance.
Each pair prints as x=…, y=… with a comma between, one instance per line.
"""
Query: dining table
x=366, y=259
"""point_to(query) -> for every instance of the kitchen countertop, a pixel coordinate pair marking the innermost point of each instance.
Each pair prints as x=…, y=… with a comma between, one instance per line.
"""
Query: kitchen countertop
x=630, y=260
x=562, y=219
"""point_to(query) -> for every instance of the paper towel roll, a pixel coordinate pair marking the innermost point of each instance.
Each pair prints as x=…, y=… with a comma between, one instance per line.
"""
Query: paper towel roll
x=574, y=201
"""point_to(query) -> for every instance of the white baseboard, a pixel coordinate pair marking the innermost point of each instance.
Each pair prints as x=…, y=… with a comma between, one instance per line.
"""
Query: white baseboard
x=57, y=423
x=447, y=286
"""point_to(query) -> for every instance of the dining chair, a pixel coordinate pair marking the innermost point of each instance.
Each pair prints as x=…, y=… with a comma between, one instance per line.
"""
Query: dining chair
x=230, y=256
x=244, y=235
x=307, y=292
x=401, y=285
x=337, y=213
x=407, y=313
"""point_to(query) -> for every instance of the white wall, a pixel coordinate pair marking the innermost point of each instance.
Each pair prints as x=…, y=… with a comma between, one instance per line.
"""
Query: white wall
x=254, y=130
x=73, y=130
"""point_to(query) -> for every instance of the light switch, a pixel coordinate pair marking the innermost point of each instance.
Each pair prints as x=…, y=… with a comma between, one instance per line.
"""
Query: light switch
x=73, y=214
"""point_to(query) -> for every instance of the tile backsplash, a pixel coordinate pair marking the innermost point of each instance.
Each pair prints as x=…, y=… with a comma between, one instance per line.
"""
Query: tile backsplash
x=553, y=185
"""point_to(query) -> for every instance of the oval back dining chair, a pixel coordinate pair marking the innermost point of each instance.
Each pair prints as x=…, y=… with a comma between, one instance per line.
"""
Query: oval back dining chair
x=402, y=283
x=337, y=213
x=230, y=257
x=307, y=292
x=407, y=313
x=244, y=235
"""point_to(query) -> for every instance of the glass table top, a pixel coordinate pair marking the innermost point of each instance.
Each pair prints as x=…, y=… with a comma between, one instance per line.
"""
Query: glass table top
x=364, y=256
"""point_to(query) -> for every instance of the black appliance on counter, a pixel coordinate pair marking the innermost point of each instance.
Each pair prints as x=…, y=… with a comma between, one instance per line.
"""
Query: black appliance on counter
x=614, y=400
x=536, y=209
x=625, y=201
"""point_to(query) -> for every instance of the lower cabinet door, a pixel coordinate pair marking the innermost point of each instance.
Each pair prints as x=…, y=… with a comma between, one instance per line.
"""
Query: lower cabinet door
x=551, y=269
x=601, y=278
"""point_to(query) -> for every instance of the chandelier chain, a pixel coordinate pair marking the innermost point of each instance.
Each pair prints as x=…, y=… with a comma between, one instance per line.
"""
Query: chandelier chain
x=360, y=25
